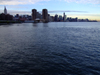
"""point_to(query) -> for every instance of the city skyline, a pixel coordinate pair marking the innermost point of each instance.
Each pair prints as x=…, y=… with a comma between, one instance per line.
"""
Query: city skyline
x=72, y=8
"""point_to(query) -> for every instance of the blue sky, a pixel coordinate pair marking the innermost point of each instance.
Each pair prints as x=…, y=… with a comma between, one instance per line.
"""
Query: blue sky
x=73, y=8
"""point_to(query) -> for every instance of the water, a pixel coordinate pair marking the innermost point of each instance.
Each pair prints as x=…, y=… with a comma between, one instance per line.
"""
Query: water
x=56, y=48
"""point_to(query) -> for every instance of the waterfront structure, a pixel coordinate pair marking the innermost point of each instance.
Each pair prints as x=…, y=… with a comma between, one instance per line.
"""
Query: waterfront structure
x=50, y=19
x=45, y=14
x=34, y=14
x=39, y=15
x=5, y=11
x=60, y=17
x=56, y=18
x=64, y=17
x=6, y=17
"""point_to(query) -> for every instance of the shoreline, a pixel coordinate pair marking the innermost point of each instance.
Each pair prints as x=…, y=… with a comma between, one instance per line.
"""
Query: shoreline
x=11, y=22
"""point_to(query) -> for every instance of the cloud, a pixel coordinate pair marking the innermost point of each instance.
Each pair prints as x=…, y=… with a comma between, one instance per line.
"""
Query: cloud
x=13, y=12
x=68, y=11
x=83, y=1
x=17, y=2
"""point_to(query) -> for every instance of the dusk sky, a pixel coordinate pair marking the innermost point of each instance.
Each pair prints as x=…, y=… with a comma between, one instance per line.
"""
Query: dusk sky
x=73, y=8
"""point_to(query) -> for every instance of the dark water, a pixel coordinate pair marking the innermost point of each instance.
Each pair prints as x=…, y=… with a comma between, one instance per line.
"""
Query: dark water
x=66, y=48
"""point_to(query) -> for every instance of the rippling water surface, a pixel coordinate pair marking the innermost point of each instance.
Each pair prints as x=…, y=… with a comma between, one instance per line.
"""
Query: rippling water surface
x=56, y=48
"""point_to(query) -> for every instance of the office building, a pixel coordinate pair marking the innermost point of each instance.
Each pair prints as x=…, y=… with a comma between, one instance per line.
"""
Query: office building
x=5, y=11
x=39, y=15
x=45, y=14
x=64, y=17
x=60, y=17
x=56, y=18
x=34, y=14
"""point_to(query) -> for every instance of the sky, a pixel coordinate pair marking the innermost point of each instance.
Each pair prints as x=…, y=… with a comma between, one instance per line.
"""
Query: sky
x=82, y=9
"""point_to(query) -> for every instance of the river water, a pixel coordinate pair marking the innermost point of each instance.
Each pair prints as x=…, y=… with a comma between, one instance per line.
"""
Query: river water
x=55, y=48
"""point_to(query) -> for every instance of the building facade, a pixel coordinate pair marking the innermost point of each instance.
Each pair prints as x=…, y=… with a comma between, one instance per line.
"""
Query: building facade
x=56, y=18
x=34, y=14
x=60, y=17
x=5, y=11
x=45, y=14
x=64, y=17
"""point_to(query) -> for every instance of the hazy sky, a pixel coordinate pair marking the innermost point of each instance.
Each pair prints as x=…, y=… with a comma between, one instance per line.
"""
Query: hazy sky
x=73, y=8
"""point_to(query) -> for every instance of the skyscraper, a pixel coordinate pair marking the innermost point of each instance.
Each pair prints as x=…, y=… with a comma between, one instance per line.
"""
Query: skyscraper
x=38, y=15
x=34, y=14
x=56, y=18
x=64, y=16
x=60, y=17
x=45, y=14
x=5, y=10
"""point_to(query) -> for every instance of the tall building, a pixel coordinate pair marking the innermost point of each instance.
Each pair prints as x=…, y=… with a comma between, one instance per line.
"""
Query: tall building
x=56, y=18
x=50, y=19
x=64, y=16
x=38, y=15
x=5, y=10
x=45, y=14
x=60, y=17
x=34, y=14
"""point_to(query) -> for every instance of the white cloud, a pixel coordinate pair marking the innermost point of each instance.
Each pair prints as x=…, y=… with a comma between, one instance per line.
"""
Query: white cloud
x=16, y=2
x=13, y=12
x=83, y=1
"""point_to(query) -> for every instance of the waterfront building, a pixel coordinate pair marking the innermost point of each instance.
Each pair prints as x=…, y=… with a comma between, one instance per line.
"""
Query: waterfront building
x=6, y=17
x=64, y=17
x=5, y=11
x=45, y=14
x=34, y=14
x=50, y=19
x=60, y=18
x=56, y=18
x=38, y=15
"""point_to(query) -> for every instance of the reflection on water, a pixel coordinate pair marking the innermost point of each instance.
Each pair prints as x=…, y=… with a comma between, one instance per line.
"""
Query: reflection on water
x=40, y=24
x=45, y=24
x=56, y=48
x=35, y=24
